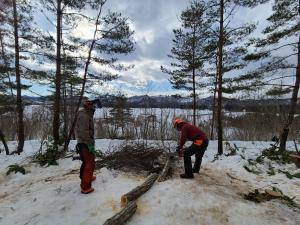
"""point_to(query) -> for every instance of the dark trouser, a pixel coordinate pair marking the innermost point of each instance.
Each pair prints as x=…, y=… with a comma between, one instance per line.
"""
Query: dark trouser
x=87, y=167
x=199, y=152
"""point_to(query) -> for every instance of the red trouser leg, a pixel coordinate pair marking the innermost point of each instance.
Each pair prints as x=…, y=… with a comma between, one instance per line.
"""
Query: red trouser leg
x=88, y=161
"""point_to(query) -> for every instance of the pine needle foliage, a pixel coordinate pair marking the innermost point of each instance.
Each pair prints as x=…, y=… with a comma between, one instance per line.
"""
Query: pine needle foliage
x=15, y=168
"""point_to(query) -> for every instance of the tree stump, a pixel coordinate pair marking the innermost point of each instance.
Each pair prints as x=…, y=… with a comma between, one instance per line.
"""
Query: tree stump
x=139, y=190
x=125, y=214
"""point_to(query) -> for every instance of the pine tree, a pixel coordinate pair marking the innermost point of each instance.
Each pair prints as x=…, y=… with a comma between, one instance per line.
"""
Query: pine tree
x=65, y=20
x=18, y=35
x=113, y=39
x=18, y=79
x=282, y=35
x=5, y=56
x=120, y=114
x=70, y=88
x=229, y=48
x=190, y=51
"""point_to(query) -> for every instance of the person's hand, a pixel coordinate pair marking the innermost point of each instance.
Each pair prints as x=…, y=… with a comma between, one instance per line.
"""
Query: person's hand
x=180, y=153
x=178, y=149
x=91, y=148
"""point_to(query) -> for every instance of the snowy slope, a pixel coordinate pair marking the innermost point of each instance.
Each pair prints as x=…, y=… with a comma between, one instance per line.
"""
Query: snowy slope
x=51, y=195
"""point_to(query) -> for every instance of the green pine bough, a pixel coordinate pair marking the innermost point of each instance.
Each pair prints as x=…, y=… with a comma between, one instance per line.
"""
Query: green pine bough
x=15, y=168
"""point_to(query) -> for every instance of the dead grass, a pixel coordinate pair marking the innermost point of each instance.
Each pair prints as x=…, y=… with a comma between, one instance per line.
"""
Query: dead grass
x=258, y=126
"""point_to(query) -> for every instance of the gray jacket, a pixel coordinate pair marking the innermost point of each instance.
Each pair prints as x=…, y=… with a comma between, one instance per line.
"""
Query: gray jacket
x=84, y=130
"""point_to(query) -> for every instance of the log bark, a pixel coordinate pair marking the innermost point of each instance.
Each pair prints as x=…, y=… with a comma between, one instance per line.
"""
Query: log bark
x=295, y=156
x=220, y=79
x=164, y=172
x=139, y=190
x=122, y=216
x=58, y=75
x=18, y=80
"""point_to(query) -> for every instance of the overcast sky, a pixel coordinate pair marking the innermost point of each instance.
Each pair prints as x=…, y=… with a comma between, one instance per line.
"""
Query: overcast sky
x=153, y=22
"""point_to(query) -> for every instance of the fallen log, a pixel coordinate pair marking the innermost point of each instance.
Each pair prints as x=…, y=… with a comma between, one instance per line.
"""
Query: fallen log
x=125, y=214
x=294, y=156
x=139, y=190
x=164, y=173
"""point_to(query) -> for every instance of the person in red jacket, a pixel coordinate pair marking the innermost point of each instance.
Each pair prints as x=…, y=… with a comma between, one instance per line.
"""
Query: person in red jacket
x=198, y=147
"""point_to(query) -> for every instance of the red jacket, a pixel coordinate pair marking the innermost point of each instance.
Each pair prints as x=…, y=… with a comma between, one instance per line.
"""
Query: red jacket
x=190, y=132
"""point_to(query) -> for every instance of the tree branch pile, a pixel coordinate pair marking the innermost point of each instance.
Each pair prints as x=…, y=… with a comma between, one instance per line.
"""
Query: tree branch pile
x=133, y=157
x=274, y=153
x=270, y=194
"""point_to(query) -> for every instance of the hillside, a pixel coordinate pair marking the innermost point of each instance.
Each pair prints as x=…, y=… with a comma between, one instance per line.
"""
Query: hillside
x=182, y=102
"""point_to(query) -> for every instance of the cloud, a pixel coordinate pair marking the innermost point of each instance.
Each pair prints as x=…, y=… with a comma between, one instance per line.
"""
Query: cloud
x=153, y=22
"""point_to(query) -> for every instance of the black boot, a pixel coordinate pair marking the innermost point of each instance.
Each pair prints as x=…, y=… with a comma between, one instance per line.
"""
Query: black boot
x=195, y=171
x=185, y=176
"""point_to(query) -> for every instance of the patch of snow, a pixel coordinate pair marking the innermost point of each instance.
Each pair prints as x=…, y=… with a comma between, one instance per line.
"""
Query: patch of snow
x=51, y=195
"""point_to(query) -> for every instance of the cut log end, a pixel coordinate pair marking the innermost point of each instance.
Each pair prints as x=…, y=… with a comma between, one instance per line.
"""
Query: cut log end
x=124, y=200
x=124, y=215
x=139, y=190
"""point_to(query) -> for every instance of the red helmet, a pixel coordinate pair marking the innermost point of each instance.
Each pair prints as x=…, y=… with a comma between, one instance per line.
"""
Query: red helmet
x=177, y=122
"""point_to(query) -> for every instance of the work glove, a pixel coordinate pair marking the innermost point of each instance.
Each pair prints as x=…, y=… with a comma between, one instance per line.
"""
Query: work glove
x=91, y=148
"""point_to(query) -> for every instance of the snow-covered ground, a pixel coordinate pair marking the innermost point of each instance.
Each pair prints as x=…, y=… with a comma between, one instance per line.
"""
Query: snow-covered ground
x=51, y=195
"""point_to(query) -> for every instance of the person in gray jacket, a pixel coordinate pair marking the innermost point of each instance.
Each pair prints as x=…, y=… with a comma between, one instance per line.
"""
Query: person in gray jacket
x=86, y=145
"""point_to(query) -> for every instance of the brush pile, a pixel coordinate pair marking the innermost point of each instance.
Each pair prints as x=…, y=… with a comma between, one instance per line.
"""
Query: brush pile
x=133, y=157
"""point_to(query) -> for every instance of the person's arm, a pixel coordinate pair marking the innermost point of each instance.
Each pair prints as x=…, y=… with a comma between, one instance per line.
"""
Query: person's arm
x=182, y=137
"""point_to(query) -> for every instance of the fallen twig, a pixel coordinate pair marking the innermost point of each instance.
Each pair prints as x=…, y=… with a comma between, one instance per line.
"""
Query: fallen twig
x=234, y=178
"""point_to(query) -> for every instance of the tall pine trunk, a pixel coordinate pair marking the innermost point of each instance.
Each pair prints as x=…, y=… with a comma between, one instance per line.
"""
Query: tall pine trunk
x=65, y=108
x=56, y=119
x=285, y=131
x=214, y=103
x=64, y=94
x=18, y=82
x=194, y=80
x=72, y=109
x=194, y=99
x=220, y=79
